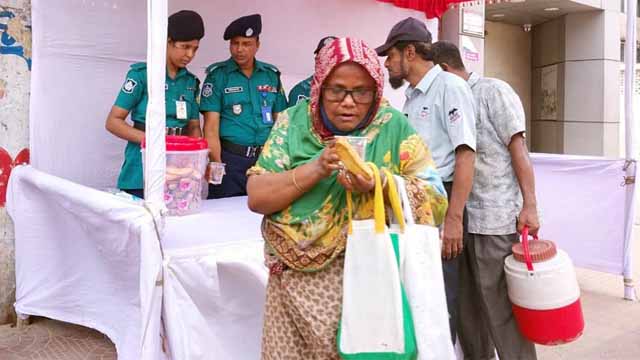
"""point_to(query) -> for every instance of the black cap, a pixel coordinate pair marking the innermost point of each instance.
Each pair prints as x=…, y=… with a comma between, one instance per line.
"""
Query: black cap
x=247, y=26
x=323, y=42
x=409, y=29
x=185, y=25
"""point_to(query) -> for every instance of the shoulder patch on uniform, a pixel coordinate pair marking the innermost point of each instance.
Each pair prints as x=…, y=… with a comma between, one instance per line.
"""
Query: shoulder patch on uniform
x=214, y=66
x=207, y=89
x=270, y=67
x=129, y=86
x=196, y=83
x=139, y=66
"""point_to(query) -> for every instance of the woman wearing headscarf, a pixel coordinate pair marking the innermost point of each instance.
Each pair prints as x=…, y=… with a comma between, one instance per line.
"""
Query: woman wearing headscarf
x=298, y=184
x=185, y=29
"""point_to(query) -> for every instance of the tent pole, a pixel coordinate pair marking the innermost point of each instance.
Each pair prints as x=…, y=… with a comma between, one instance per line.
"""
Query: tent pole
x=630, y=167
x=155, y=122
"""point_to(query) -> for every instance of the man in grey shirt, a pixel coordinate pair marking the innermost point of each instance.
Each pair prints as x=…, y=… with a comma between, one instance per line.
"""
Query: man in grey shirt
x=502, y=202
x=440, y=107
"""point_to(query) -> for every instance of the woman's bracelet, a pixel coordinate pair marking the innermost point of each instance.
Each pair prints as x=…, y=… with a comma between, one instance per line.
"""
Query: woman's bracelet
x=295, y=183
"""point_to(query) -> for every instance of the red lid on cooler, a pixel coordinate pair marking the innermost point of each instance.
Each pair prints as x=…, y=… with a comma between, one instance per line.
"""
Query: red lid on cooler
x=541, y=250
x=183, y=143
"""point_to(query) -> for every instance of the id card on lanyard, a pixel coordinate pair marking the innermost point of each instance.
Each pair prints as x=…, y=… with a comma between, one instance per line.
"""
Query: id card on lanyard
x=181, y=108
x=267, y=116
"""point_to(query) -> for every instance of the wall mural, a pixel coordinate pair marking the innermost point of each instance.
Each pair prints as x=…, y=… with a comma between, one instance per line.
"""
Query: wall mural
x=15, y=33
x=15, y=74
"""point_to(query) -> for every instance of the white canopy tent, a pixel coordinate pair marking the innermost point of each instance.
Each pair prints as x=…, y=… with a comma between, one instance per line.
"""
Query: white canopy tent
x=154, y=183
x=107, y=262
x=94, y=50
x=83, y=49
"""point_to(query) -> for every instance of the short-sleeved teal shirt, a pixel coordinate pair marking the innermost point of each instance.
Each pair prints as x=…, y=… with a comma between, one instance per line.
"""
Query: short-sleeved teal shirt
x=239, y=100
x=133, y=97
x=300, y=92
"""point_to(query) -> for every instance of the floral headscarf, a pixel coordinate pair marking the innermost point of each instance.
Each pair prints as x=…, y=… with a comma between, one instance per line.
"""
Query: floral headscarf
x=339, y=51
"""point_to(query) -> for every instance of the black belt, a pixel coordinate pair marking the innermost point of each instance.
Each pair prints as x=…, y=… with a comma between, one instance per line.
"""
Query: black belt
x=169, y=130
x=246, y=151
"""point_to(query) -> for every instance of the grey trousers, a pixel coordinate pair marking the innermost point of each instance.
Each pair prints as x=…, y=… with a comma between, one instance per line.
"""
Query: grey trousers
x=451, y=275
x=485, y=317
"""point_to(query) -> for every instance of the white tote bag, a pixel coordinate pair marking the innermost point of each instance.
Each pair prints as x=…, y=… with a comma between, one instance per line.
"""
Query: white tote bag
x=421, y=273
x=372, y=316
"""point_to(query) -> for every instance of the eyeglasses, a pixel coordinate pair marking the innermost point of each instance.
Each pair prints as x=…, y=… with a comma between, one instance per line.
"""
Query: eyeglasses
x=338, y=94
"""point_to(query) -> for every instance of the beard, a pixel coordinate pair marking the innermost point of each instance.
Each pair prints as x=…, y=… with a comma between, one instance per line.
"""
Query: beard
x=396, y=81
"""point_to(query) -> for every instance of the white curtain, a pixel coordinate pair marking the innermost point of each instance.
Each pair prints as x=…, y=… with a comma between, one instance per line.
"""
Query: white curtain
x=83, y=49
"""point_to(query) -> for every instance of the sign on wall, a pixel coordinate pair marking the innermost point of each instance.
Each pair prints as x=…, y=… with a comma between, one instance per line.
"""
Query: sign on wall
x=471, y=49
x=549, y=93
x=472, y=20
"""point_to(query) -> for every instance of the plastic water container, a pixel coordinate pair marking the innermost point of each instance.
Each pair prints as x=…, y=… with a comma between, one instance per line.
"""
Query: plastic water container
x=187, y=160
x=544, y=292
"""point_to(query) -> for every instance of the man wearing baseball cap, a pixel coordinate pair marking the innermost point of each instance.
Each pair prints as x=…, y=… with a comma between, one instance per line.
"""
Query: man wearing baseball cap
x=440, y=107
x=302, y=89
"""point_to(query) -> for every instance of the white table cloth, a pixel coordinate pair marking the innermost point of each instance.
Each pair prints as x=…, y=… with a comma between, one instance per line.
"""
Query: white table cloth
x=91, y=258
x=86, y=257
x=214, y=282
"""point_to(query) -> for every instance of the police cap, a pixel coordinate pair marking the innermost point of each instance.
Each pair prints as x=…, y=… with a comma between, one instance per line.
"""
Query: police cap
x=247, y=26
x=185, y=25
x=323, y=42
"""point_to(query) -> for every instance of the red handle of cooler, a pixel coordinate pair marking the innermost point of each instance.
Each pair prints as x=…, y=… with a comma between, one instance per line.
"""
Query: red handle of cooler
x=525, y=247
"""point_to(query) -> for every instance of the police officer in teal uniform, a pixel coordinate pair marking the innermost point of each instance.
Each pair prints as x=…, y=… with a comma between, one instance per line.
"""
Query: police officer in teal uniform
x=185, y=29
x=240, y=100
x=302, y=89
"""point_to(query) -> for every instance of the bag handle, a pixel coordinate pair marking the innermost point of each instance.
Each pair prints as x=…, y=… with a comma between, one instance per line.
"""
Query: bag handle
x=406, y=205
x=378, y=202
x=394, y=198
x=525, y=247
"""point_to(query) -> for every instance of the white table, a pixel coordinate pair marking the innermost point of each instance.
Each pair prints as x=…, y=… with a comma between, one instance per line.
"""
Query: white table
x=91, y=258
x=214, y=282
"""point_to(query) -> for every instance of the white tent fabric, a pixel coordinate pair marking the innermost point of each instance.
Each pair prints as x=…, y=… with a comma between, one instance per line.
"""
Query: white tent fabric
x=215, y=280
x=86, y=257
x=101, y=255
x=82, y=50
x=214, y=300
x=582, y=204
x=91, y=258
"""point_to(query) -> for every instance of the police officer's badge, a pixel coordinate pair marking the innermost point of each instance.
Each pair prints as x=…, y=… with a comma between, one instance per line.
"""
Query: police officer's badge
x=129, y=85
x=249, y=32
x=237, y=109
x=207, y=89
